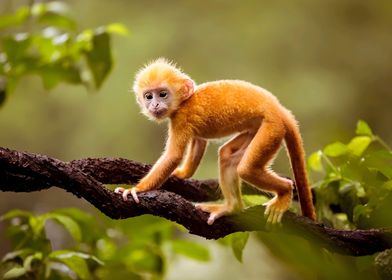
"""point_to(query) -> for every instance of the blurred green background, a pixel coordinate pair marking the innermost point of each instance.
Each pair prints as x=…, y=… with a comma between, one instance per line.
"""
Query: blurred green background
x=330, y=62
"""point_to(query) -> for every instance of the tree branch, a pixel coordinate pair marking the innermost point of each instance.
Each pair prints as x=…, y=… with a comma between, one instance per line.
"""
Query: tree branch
x=26, y=172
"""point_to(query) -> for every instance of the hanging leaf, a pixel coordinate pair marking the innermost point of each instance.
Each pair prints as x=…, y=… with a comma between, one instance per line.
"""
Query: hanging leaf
x=29, y=260
x=99, y=58
x=238, y=241
x=76, y=261
x=57, y=20
x=117, y=28
x=64, y=254
x=16, y=254
x=70, y=225
x=363, y=128
x=359, y=144
x=18, y=18
x=314, y=161
x=15, y=272
x=16, y=213
x=335, y=149
x=77, y=265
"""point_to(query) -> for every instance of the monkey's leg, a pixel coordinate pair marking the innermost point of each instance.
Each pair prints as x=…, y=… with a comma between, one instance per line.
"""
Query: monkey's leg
x=254, y=169
x=230, y=155
x=192, y=159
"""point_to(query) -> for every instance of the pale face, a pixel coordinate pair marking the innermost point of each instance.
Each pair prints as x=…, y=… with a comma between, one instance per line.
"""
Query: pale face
x=157, y=102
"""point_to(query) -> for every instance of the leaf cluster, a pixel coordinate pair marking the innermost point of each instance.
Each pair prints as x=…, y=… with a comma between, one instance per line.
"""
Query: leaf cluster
x=356, y=188
x=33, y=255
x=98, y=249
x=44, y=40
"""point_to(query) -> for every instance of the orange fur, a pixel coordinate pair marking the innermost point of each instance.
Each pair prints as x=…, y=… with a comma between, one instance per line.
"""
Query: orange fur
x=219, y=109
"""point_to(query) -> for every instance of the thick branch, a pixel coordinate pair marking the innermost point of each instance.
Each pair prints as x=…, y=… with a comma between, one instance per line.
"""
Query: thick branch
x=25, y=172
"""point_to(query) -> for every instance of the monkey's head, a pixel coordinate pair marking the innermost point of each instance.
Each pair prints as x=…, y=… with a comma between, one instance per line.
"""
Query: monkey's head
x=160, y=88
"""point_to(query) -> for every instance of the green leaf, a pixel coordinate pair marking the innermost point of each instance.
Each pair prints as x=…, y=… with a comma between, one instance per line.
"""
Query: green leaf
x=71, y=226
x=254, y=199
x=63, y=254
x=56, y=7
x=76, y=261
x=99, y=58
x=191, y=250
x=335, y=149
x=29, y=260
x=380, y=160
x=84, y=40
x=361, y=210
x=348, y=200
x=106, y=249
x=16, y=213
x=38, y=9
x=16, y=47
x=117, y=28
x=314, y=161
x=53, y=74
x=77, y=265
x=16, y=254
x=78, y=215
x=359, y=144
x=238, y=241
x=144, y=259
x=53, y=19
x=19, y=17
x=363, y=129
x=37, y=224
x=14, y=273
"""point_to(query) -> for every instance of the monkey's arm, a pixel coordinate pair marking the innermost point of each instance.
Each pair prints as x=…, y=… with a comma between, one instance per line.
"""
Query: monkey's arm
x=192, y=159
x=160, y=172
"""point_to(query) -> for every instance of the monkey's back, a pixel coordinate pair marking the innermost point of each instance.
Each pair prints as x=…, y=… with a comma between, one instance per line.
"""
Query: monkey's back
x=221, y=108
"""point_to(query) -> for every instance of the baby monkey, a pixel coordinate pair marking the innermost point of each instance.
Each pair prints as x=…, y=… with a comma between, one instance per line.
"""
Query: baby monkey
x=218, y=109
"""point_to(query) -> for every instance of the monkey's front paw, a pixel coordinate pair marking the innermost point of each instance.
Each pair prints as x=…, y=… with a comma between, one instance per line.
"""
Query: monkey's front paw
x=125, y=192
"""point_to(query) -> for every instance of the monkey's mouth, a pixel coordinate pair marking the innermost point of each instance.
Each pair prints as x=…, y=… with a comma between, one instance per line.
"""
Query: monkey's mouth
x=160, y=113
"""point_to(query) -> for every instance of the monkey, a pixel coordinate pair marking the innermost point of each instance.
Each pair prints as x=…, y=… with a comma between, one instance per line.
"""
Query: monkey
x=253, y=116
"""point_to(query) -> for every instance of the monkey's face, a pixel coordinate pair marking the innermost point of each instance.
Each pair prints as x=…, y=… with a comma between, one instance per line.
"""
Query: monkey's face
x=157, y=102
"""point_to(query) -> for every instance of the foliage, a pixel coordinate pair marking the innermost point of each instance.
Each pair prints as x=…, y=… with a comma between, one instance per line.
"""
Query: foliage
x=237, y=241
x=102, y=249
x=43, y=39
x=356, y=189
x=33, y=255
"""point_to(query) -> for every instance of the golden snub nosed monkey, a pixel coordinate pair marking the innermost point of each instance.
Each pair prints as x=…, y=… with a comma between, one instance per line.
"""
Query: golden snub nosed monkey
x=255, y=118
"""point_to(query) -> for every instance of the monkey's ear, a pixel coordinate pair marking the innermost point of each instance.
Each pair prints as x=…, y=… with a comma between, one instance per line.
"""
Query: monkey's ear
x=188, y=88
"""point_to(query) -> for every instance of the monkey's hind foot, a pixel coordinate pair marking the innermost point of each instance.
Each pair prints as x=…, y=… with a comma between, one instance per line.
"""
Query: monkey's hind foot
x=275, y=208
x=217, y=210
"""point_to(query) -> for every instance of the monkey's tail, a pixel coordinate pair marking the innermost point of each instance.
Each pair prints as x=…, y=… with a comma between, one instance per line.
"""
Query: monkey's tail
x=296, y=152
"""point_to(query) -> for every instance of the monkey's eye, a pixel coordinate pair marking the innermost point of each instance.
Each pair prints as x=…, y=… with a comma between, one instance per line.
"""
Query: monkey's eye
x=163, y=94
x=148, y=96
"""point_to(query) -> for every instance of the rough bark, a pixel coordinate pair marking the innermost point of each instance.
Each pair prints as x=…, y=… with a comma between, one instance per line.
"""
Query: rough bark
x=26, y=172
